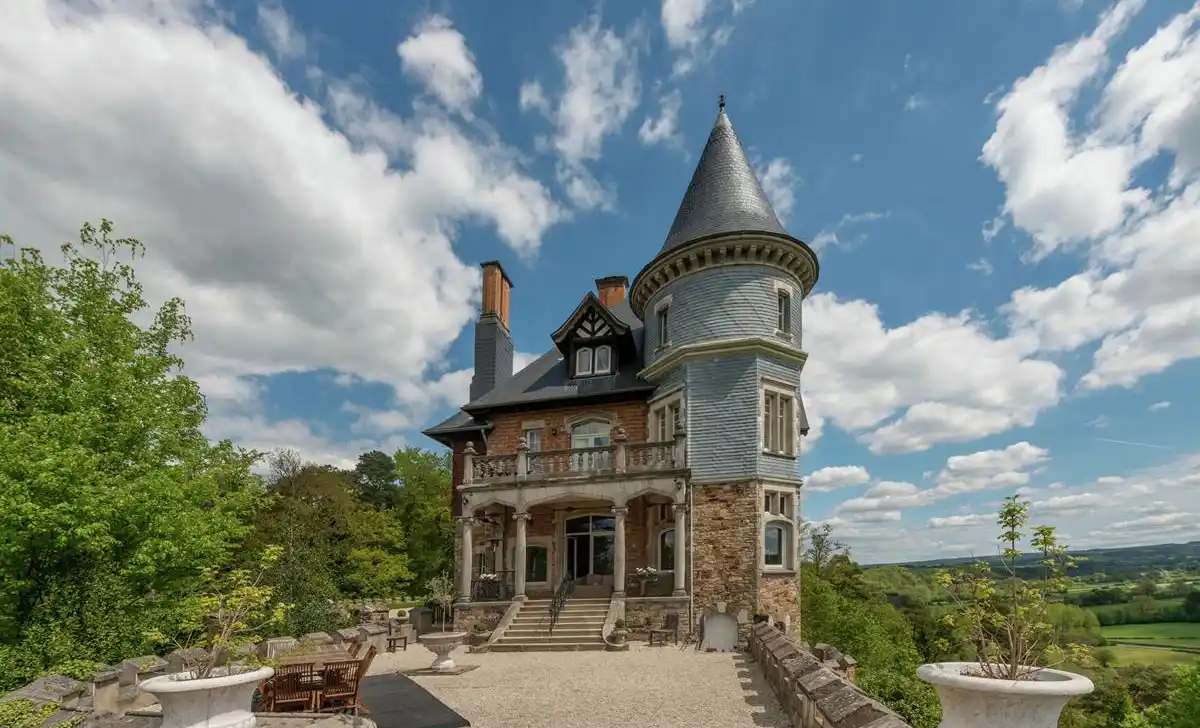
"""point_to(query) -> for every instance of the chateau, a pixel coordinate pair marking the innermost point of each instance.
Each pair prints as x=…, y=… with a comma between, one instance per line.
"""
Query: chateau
x=648, y=463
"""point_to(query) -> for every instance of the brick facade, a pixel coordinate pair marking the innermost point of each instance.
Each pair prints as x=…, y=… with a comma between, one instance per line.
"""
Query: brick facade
x=556, y=424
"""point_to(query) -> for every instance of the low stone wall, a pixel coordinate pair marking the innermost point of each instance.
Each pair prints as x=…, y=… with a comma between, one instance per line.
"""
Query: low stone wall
x=642, y=613
x=489, y=614
x=816, y=691
x=114, y=690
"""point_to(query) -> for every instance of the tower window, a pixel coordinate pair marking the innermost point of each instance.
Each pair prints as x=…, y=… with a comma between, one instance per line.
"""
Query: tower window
x=784, y=319
x=778, y=418
x=583, y=362
x=603, y=360
x=664, y=333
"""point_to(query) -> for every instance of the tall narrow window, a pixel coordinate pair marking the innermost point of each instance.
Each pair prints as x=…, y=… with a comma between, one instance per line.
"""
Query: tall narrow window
x=583, y=362
x=666, y=550
x=784, y=321
x=664, y=332
x=603, y=360
x=664, y=419
x=537, y=564
x=774, y=539
x=778, y=416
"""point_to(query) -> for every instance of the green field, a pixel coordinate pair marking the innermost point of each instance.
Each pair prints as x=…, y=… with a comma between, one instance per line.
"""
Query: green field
x=1167, y=634
x=1101, y=609
x=1126, y=655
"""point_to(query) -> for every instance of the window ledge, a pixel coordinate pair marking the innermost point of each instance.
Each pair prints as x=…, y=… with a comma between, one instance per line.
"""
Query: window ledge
x=778, y=570
x=784, y=334
x=780, y=455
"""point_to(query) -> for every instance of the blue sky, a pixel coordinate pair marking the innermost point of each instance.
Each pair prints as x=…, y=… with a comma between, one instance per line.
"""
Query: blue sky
x=1004, y=196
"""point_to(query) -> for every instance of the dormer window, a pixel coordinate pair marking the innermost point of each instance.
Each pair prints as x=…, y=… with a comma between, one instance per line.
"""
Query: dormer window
x=583, y=361
x=589, y=361
x=603, y=360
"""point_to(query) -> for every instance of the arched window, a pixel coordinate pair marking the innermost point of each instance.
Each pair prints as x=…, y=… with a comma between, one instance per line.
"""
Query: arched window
x=666, y=550
x=603, y=361
x=778, y=548
x=583, y=361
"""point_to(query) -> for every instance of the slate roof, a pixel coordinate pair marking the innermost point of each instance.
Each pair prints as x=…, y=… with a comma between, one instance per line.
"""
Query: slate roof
x=724, y=195
x=547, y=378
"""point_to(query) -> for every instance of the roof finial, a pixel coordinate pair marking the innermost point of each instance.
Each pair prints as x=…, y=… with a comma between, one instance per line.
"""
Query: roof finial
x=721, y=104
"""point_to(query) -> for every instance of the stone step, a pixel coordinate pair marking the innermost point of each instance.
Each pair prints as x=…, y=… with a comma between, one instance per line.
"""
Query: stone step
x=542, y=647
x=535, y=621
x=559, y=631
x=562, y=615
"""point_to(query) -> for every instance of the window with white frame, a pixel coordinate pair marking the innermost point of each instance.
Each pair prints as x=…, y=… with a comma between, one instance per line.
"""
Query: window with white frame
x=776, y=540
x=583, y=361
x=537, y=564
x=779, y=420
x=783, y=321
x=666, y=550
x=533, y=438
x=665, y=416
x=603, y=360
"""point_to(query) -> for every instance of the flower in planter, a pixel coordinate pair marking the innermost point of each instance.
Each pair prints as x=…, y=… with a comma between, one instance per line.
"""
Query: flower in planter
x=646, y=571
x=489, y=577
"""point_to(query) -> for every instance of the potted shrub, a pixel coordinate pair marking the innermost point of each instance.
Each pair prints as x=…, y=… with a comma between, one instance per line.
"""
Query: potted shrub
x=620, y=631
x=224, y=618
x=1012, y=683
x=480, y=634
x=442, y=592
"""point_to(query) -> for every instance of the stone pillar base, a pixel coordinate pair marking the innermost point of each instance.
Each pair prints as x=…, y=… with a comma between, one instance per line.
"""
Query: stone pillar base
x=519, y=598
x=618, y=595
x=679, y=593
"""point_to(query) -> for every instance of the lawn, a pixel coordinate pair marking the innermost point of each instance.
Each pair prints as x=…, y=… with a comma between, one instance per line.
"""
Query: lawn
x=1167, y=634
x=1100, y=609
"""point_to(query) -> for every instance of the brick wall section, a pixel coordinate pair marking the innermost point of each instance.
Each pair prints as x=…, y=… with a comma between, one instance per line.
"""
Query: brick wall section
x=812, y=692
x=556, y=432
x=726, y=547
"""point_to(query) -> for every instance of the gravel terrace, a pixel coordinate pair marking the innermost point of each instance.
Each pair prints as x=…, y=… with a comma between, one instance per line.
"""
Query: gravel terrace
x=645, y=687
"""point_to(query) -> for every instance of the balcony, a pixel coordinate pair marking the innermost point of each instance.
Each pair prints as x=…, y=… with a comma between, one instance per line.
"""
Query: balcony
x=621, y=458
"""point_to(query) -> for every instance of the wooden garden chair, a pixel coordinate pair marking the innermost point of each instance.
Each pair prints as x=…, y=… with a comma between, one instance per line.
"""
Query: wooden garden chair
x=353, y=647
x=292, y=687
x=340, y=692
x=669, y=629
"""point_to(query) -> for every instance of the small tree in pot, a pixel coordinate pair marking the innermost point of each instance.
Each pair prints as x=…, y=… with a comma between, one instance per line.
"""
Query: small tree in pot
x=224, y=617
x=440, y=590
x=1006, y=623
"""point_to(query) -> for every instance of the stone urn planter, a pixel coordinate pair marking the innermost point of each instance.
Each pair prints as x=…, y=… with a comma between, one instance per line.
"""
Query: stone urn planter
x=619, y=635
x=970, y=701
x=220, y=701
x=442, y=644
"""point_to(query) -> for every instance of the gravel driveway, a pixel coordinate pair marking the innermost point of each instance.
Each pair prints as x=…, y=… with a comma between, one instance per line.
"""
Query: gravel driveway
x=645, y=687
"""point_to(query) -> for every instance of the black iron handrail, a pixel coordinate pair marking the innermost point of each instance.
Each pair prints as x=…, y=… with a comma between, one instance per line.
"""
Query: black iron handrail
x=565, y=587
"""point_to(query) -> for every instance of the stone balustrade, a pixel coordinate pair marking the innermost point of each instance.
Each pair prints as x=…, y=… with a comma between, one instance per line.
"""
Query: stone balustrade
x=816, y=688
x=620, y=457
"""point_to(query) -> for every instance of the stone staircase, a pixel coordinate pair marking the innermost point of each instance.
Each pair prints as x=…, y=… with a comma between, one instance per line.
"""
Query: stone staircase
x=578, y=627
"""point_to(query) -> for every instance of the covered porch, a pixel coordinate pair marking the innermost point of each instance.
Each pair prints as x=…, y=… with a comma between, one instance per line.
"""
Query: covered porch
x=603, y=538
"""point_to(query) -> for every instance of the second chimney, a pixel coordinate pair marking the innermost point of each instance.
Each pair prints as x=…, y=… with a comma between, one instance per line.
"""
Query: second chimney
x=493, y=341
x=611, y=290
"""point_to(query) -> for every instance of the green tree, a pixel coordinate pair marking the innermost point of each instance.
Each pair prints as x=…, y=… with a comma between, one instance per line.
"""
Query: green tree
x=1181, y=709
x=423, y=502
x=111, y=498
x=377, y=475
x=1191, y=606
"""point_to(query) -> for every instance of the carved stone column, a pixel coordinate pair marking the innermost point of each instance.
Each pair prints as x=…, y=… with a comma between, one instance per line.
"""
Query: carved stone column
x=680, y=550
x=619, y=550
x=468, y=553
x=519, y=558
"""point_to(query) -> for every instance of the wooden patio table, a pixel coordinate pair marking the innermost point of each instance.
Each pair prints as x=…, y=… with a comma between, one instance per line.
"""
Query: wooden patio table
x=319, y=655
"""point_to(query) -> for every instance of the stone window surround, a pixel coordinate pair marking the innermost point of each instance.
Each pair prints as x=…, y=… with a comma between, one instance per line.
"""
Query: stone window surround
x=660, y=402
x=790, y=546
x=766, y=384
x=593, y=366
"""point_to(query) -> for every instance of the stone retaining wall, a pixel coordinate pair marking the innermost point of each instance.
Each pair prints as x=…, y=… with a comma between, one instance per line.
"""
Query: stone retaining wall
x=816, y=688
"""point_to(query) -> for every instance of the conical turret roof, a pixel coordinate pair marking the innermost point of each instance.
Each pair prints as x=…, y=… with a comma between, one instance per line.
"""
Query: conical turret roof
x=724, y=195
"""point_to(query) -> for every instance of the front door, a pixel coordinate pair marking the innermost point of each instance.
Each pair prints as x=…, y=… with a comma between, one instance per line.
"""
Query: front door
x=589, y=552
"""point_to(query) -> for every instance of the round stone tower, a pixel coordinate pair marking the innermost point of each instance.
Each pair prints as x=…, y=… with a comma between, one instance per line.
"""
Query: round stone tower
x=722, y=309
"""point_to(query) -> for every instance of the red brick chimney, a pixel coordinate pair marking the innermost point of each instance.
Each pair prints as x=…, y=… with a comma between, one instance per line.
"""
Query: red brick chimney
x=493, y=341
x=611, y=290
x=496, y=290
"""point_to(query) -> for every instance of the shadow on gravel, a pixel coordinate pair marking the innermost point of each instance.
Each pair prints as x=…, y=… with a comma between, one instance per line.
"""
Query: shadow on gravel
x=756, y=691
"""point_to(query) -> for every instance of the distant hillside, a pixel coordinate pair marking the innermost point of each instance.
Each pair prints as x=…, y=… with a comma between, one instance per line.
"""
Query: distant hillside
x=1129, y=561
